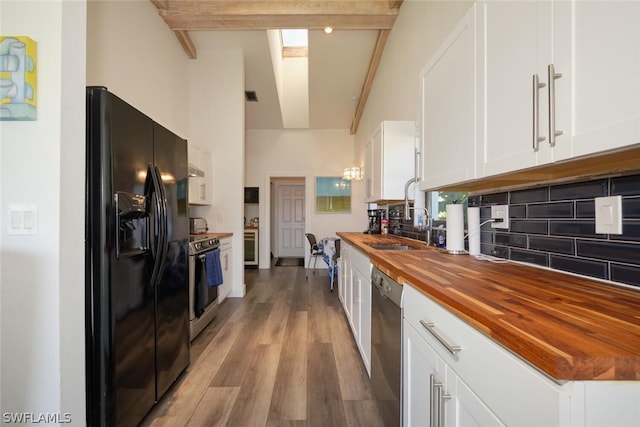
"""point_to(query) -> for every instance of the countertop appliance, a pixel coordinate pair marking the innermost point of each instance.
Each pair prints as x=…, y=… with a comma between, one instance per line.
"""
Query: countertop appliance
x=137, y=313
x=198, y=225
x=386, y=346
x=375, y=220
x=203, y=300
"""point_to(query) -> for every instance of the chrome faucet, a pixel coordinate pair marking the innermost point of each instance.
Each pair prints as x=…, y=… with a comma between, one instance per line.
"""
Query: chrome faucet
x=407, y=184
x=407, y=215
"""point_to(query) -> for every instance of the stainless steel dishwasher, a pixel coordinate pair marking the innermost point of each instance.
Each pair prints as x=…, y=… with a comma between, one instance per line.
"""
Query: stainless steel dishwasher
x=386, y=345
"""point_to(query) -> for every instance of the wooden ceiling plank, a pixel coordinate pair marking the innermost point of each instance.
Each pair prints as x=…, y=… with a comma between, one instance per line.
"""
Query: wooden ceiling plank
x=368, y=81
x=187, y=44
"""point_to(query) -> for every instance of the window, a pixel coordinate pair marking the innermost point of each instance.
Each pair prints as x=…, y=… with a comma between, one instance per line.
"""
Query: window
x=438, y=201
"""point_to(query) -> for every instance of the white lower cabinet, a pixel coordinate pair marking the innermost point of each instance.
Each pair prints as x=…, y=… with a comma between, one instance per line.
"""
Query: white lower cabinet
x=226, y=259
x=484, y=384
x=433, y=394
x=354, y=291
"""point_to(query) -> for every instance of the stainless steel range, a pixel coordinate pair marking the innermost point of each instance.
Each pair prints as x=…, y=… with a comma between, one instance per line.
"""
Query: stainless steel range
x=203, y=300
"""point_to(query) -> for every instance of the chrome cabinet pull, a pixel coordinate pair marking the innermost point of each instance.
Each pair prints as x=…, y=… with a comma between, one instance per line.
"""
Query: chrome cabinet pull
x=536, y=112
x=432, y=406
x=437, y=397
x=441, y=397
x=552, y=76
x=453, y=349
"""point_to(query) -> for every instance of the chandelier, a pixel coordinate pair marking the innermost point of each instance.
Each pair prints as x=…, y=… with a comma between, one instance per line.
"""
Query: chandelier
x=352, y=173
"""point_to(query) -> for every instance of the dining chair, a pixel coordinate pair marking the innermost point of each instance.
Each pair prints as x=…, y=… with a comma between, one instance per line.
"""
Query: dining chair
x=315, y=251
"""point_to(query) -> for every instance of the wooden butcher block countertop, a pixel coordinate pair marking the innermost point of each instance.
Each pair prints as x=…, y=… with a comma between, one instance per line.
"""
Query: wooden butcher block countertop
x=570, y=327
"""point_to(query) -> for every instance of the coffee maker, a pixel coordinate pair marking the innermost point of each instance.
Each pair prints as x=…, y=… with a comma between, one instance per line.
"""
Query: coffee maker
x=375, y=220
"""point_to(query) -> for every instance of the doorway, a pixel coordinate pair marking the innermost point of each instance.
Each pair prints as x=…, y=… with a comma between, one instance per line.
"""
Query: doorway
x=288, y=217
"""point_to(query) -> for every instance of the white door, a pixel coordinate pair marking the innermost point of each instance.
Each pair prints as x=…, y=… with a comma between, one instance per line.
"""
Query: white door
x=290, y=220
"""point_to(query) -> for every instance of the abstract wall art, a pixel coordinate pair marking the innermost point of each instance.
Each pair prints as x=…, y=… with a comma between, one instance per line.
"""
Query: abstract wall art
x=17, y=78
x=333, y=195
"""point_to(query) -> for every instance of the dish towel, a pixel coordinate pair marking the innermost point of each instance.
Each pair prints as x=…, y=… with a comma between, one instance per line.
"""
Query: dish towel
x=213, y=267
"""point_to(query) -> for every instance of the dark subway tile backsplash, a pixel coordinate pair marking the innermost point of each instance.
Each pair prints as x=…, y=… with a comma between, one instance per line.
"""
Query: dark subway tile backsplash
x=551, y=210
x=580, y=266
x=532, y=195
x=625, y=185
x=579, y=190
x=554, y=226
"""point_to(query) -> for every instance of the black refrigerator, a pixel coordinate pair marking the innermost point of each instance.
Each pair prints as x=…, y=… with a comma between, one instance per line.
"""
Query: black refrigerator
x=137, y=231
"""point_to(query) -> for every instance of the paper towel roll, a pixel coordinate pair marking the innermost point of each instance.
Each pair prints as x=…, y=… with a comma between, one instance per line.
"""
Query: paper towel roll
x=473, y=219
x=455, y=228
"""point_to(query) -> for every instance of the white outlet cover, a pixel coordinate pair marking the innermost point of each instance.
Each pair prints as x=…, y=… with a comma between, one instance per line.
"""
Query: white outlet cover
x=609, y=215
x=500, y=211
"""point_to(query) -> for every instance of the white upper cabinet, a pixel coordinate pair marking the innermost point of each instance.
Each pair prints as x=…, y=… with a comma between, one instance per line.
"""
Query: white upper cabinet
x=516, y=46
x=597, y=51
x=449, y=109
x=519, y=84
x=200, y=192
x=389, y=161
x=585, y=56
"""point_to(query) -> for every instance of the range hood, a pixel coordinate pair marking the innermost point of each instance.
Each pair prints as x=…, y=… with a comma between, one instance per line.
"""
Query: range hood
x=194, y=171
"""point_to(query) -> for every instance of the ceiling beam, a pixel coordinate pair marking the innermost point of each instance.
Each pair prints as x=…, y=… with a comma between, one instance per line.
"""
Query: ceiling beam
x=204, y=15
x=183, y=37
x=368, y=81
x=186, y=43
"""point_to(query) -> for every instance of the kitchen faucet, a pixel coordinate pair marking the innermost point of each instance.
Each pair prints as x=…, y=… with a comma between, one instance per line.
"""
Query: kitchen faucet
x=407, y=216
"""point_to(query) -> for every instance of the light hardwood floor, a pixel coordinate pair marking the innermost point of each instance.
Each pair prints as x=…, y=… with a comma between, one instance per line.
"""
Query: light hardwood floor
x=282, y=356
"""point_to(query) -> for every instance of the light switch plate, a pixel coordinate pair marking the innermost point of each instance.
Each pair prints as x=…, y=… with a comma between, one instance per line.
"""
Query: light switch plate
x=500, y=211
x=609, y=215
x=23, y=219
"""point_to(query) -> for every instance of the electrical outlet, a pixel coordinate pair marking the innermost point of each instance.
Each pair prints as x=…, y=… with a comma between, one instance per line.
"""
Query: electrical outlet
x=609, y=215
x=500, y=212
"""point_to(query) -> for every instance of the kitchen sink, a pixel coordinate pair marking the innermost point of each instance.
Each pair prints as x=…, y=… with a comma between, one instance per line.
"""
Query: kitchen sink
x=394, y=247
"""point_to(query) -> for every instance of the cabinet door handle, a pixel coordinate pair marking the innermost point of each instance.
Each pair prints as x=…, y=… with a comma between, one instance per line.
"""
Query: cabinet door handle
x=453, y=349
x=432, y=405
x=436, y=402
x=441, y=397
x=552, y=76
x=536, y=112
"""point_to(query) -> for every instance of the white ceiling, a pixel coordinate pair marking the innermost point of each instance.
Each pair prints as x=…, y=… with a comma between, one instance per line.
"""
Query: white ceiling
x=338, y=64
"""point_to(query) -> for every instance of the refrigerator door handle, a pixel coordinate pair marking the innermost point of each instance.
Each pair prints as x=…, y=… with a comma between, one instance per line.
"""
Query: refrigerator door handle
x=152, y=186
x=163, y=225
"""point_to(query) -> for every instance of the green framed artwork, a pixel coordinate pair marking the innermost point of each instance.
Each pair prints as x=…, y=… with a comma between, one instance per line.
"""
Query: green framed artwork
x=333, y=195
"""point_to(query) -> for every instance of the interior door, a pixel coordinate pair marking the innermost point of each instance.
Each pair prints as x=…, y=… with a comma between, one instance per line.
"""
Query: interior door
x=290, y=220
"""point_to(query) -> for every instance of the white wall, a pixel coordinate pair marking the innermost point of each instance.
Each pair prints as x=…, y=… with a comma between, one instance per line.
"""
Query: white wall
x=135, y=55
x=418, y=31
x=301, y=153
x=216, y=122
x=42, y=276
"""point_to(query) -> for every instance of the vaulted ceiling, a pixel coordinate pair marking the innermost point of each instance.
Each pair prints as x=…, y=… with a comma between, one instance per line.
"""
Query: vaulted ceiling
x=342, y=65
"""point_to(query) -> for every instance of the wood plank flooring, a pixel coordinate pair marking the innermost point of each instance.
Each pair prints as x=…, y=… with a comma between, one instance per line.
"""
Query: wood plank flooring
x=282, y=356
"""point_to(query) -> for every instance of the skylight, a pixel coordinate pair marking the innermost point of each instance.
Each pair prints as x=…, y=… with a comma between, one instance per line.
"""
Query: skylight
x=295, y=43
x=295, y=38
